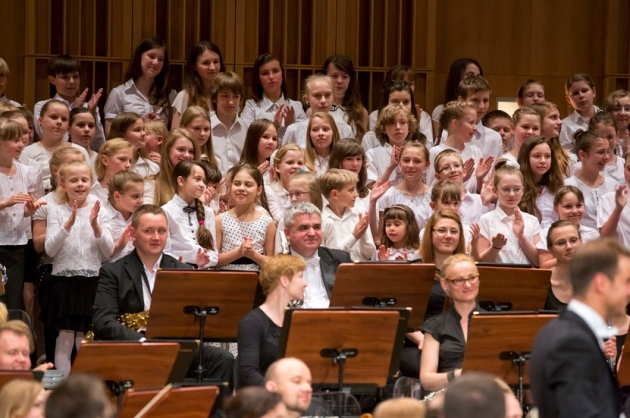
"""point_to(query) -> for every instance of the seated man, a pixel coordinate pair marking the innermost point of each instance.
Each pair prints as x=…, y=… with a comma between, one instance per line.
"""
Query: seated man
x=16, y=344
x=474, y=395
x=291, y=378
x=125, y=287
x=303, y=229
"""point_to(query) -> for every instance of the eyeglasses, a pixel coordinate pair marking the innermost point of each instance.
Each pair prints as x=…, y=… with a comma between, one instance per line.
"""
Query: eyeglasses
x=508, y=190
x=450, y=168
x=459, y=281
x=444, y=231
x=563, y=242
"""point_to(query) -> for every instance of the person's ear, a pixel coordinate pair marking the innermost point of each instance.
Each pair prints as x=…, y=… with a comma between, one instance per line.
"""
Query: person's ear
x=181, y=181
x=271, y=386
x=433, y=205
x=116, y=196
x=160, y=140
x=52, y=80
x=334, y=194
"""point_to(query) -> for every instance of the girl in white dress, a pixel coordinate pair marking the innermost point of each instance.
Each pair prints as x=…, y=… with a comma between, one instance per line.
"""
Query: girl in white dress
x=400, y=235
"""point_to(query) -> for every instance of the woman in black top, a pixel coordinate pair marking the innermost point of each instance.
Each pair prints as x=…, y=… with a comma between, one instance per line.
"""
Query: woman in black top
x=445, y=335
x=259, y=331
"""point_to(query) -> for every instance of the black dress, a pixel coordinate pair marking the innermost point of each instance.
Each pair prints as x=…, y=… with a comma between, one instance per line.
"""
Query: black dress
x=258, y=339
x=552, y=303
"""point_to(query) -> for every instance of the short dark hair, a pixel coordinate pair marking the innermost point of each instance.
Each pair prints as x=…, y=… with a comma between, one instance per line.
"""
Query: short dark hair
x=475, y=395
x=599, y=256
x=251, y=402
x=80, y=396
x=63, y=64
x=154, y=209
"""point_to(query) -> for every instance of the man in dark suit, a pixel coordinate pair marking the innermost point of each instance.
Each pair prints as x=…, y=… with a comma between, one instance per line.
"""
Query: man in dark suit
x=569, y=374
x=303, y=229
x=125, y=287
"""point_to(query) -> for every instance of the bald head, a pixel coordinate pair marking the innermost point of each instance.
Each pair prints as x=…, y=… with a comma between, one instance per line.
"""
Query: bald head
x=291, y=378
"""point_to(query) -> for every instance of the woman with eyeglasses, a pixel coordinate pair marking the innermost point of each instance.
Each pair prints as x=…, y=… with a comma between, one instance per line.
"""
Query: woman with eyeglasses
x=442, y=238
x=445, y=335
x=563, y=240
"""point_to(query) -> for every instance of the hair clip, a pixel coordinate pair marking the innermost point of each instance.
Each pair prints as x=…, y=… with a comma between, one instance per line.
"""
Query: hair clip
x=201, y=222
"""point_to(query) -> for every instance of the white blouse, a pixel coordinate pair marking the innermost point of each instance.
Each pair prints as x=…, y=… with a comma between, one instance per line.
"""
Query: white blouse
x=266, y=109
x=592, y=197
x=13, y=224
x=128, y=98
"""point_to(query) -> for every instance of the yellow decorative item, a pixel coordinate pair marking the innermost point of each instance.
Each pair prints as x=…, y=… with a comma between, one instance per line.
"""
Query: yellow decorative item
x=134, y=321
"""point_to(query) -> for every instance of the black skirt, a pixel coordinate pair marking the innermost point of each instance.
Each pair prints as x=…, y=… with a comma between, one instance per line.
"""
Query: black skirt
x=70, y=302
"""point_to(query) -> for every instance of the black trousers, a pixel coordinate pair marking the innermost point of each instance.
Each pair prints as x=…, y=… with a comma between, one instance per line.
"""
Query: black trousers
x=12, y=257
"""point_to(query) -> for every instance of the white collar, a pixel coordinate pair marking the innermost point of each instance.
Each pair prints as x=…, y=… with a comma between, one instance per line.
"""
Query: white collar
x=267, y=105
x=594, y=321
x=313, y=260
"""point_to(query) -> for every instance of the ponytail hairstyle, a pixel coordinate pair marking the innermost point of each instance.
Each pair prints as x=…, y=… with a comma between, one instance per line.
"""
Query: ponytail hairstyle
x=454, y=110
x=351, y=101
x=564, y=161
x=552, y=179
x=412, y=231
x=184, y=169
x=258, y=178
x=108, y=149
x=584, y=141
x=120, y=183
x=350, y=148
x=187, y=118
x=310, y=156
x=502, y=168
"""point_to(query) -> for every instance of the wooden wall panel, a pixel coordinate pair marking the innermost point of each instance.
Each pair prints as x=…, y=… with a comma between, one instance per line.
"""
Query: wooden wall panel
x=513, y=40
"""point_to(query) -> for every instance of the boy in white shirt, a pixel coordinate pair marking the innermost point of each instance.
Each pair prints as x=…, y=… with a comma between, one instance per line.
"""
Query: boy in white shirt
x=352, y=229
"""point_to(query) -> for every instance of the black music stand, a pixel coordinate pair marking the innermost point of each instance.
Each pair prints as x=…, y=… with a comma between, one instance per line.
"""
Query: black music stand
x=200, y=304
x=326, y=338
x=123, y=365
x=386, y=285
x=500, y=344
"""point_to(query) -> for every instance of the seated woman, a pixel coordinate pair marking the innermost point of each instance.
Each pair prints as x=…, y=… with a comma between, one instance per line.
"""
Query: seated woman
x=22, y=399
x=259, y=331
x=445, y=335
x=563, y=240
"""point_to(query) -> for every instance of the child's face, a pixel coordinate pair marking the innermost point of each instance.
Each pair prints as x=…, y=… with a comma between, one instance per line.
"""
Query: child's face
x=398, y=131
x=608, y=132
x=413, y=163
x=597, y=157
x=135, y=134
x=131, y=199
x=347, y=195
x=321, y=135
x=83, y=129
x=581, y=96
x=466, y=127
x=450, y=168
x=471, y=69
x=267, y=143
x=551, y=124
x=396, y=230
x=55, y=122
x=298, y=192
x=270, y=76
x=25, y=131
x=208, y=66
x=292, y=162
x=570, y=209
x=245, y=190
x=227, y=102
x=200, y=129
x=320, y=95
x=481, y=100
x=533, y=93
x=152, y=62
x=12, y=147
x=402, y=98
x=509, y=191
x=120, y=161
x=445, y=236
x=353, y=163
x=502, y=126
x=181, y=150
x=526, y=127
x=67, y=85
x=154, y=142
x=621, y=113
x=341, y=80
x=540, y=160
x=444, y=203
x=77, y=183
x=193, y=186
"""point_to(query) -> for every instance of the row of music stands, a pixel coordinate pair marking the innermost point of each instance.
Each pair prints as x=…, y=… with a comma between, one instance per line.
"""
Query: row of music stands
x=388, y=299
